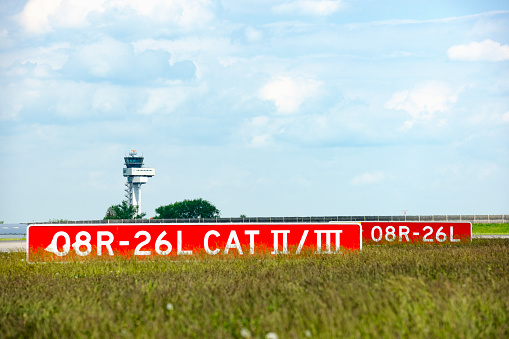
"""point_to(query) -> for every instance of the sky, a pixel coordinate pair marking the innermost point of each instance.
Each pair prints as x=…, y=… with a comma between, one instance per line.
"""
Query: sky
x=262, y=107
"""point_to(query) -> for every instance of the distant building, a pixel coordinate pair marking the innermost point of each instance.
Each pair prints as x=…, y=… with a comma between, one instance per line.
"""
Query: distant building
x=136, y=175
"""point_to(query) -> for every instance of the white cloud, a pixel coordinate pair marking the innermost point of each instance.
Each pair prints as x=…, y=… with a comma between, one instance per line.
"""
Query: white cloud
x=116, y=61
x=167, y=99
x=261, y=130
x=309, y=7
x=402, y=22
x=189, y=46
x=260, y=140
x=368, y=178
x=252, y=34
x=54, y=55
x=41, y=16
x=488, y=50
x=184, y=13
x=399, y=54
x=10, y=112
x=487, y=170
x=288, y=93
x=164, y=100
x=424, y=101
x=505, y=117
x=110, y=99
x=5, y=40
x=103, y=59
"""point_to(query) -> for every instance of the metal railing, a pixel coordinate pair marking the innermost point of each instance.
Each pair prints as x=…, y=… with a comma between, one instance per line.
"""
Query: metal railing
x=480, y=219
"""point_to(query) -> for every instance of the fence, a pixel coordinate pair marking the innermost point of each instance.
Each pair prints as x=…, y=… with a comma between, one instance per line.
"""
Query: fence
x=20, y=230
x=475, y=219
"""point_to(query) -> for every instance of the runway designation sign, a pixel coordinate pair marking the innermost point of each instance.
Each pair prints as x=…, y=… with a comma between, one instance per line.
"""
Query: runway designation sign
x=381, y=232
x=77, y=242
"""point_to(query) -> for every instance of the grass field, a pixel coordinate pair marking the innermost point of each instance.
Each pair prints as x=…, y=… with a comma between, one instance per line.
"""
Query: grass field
x=490, y=228
x=443, y=291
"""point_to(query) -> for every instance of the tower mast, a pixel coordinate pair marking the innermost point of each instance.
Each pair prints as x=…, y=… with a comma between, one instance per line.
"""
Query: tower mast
x=136, y=175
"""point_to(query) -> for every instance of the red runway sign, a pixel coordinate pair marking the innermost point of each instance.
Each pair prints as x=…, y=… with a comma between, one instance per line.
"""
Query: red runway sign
x=413, y=231
x=57, y=242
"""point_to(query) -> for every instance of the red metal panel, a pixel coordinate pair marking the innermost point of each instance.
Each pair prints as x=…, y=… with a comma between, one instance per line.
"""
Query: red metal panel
x=57, y=242
x=425, y=232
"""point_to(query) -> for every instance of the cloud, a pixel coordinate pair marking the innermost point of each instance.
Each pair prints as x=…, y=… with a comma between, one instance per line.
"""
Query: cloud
x=260, y=131
x=164, y=100
x=107, y=58
x=337, y=127
x=54, y=55
x=115, y=61
x=505, y=117
x=402, y=22
x=110, y=99
x=309, y=7
x=42, y=16
x=424, y=102
x=183, y=13
x=188, y=46
x=252, y=34
x=47, y=100
x=367, y=178
x=488, y=50
x=288, y=93
x=5, y=40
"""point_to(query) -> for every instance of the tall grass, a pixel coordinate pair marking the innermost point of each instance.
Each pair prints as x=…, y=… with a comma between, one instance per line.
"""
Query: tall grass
x=459, y=290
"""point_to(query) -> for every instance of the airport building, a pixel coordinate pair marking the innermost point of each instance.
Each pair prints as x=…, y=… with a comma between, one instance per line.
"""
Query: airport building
x=136, y=175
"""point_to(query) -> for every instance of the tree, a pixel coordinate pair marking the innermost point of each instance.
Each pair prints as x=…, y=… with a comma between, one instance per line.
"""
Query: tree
x=123, y=211
x=197, y=208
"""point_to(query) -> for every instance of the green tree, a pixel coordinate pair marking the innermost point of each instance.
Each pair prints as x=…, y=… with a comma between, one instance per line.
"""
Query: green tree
x=197, y=208
x=123, y=211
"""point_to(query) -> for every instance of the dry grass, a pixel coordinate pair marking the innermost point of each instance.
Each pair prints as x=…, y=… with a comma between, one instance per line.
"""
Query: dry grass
x=458, y=290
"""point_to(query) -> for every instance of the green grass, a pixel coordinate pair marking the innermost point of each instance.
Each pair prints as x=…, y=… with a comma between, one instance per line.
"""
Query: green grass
x=490, y=228
x=443, y=291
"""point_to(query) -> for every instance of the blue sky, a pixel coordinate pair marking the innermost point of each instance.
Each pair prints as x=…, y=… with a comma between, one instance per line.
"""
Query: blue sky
x=264, y=107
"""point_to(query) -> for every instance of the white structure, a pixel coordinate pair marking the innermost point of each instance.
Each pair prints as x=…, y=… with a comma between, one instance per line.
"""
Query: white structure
x=137, y=175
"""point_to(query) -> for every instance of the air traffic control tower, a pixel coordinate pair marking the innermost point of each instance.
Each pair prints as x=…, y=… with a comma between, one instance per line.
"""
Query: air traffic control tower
x=137, y=175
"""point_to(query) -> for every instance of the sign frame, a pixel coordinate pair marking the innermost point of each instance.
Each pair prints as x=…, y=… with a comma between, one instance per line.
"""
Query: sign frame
x=104, y=242
x=413, y=232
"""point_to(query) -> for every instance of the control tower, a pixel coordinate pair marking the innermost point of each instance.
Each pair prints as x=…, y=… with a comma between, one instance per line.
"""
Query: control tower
x=136, y=175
